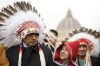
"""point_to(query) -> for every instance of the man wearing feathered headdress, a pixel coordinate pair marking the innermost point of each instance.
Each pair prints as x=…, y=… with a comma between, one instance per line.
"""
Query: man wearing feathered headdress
x=89, y=46
x=21, y=32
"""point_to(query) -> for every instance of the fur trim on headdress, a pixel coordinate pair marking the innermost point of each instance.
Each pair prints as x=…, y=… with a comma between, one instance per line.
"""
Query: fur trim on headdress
x=12, y=17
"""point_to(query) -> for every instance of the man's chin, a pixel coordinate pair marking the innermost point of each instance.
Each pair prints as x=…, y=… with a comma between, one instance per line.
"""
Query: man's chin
x=82, y=54
x=32, y=45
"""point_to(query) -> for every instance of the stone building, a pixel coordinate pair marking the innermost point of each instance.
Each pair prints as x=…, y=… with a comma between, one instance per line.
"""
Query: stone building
x=67, y=24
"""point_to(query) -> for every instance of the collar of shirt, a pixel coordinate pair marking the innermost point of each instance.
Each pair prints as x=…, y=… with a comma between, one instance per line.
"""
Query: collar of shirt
x=33, y=48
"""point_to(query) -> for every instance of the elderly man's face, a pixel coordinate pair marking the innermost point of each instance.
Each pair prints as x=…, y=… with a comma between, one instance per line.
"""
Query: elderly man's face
x=31, y=39
x=82, y=50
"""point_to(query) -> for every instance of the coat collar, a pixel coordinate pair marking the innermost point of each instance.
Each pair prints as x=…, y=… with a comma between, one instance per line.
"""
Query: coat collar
x=34, y=48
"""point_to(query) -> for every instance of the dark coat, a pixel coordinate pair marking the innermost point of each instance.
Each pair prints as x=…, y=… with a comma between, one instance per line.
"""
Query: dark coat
x=95, y=61
x=64, y=65
x=52, y=49
x=30, y=56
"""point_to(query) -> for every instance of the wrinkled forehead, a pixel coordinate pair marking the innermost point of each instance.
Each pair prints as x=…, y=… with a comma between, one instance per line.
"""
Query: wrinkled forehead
x=83, y=45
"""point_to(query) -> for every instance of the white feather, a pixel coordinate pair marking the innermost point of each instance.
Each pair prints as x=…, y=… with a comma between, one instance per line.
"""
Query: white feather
x=14, y=21
x=95, y=42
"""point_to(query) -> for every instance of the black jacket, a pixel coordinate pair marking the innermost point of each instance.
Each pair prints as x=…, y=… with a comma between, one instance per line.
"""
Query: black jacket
x=95, y=61
x=30, y=56
x=51, y=48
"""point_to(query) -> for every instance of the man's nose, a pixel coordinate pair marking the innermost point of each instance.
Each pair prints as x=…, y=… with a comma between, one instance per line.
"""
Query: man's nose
x=33, y=37
x=81, y=48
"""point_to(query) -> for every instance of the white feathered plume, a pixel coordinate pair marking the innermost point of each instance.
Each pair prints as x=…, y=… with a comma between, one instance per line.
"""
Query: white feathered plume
x=89, y=35
x=20, y=13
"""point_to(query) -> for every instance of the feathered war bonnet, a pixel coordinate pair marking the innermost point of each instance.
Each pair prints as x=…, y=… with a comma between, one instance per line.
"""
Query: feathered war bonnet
x=89, y=37
x=17, y=21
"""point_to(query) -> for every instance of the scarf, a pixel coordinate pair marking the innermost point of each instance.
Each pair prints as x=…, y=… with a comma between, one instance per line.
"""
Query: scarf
x=42, y=58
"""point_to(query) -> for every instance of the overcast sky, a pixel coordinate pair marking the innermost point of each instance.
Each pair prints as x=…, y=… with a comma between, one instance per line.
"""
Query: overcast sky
x=87, y=12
